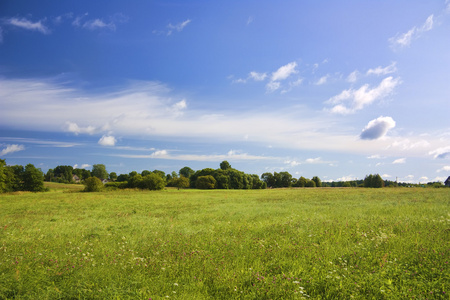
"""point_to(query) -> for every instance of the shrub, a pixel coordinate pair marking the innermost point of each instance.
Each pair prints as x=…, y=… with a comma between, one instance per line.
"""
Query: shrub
x=152, y=181
x=205, y=182
x=93, y=184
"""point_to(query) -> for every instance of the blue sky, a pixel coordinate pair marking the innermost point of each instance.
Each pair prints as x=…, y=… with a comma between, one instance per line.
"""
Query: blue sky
x=335, y=89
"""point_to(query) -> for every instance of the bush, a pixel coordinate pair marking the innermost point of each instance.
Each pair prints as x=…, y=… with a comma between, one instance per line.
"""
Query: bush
x=152, y=182
x=93, y=184
x=205, y=182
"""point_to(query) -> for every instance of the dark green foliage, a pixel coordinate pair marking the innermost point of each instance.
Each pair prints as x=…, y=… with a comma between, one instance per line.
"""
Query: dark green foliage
x=152, y=182
x=186, y=172
x=225, y=165
x=180, y=182
x=2, y=176
x=205, y=182
x=123, y=177
x=62, y=174
x=99, y=171
x=33, y=179
x=93, y=184
x=310, y=183
x=116, y=185
x=113, y=176
x=317, y=181
x=373, y=181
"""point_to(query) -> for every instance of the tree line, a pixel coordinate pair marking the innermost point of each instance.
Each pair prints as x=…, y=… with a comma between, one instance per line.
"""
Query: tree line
x=29, y=178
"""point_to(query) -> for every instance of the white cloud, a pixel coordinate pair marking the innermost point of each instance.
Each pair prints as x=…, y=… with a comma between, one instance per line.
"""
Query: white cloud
x=273, y=86
x=292, y=163
x=107, y=140
x=377, y=128
x=386, y=176
x=74, y=128
x=399, y=161
x=405, y=39
x=441, y=152
x=444, y=169
x=375, y=156
x=392, y=68
x=258, y=76
x=98, y=24
x=178, y=27
x=284, y=72
x=350, y=101
x=29, y=25
x=347, y=178
x=353, y=76
x=316, y=160
x=11, y=149
x=323, y=80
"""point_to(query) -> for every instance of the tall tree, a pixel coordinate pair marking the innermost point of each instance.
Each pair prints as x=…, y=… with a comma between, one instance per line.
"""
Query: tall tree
x=99, y=171
x=186, y=172
x=33, y=179
x=225, y=165
x=317, y=181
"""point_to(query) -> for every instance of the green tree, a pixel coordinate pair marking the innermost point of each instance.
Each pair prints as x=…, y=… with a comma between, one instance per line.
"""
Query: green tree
x=145, y=173
x=63, y=173
x=180, y=182
x=310, y=183
x=205, y=182
x=2, y=176
x=186, y=172
x=269, y=179
x=33, y=179
x=152, y=182
x=113, y=176
x=285, y=179
x=134, y=181
x=317, y=181
x=93, y=184
x=99, y=171
x=225, y=165
x=301, y=182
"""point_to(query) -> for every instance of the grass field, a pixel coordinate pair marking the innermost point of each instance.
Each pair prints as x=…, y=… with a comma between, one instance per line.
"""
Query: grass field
x=226, y=244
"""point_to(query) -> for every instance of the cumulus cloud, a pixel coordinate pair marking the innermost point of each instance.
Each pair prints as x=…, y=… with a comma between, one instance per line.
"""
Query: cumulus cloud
x=399, y=161
x=441, y=152
x=74, y=128
x=11, y=149
x=83, y=166
x=377, y=128
x=29, y=25
x=405, y=39
x=273, y=86
x=258, y=76
x=107, y=140
x=444, y=169
x=351, y=100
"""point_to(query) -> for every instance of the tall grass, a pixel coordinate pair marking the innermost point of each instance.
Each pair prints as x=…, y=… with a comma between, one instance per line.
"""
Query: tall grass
x=226, y=244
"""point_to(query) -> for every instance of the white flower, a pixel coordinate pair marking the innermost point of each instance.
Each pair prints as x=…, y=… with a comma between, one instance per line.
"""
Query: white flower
x=175, y=284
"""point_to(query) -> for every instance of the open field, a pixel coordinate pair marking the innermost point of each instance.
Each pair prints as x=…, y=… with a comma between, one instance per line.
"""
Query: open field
x=226, y=244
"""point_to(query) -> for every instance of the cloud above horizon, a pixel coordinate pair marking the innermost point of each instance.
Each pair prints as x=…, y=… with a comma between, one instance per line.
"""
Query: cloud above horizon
x=29, y=25
x=11, y=149
x=351, y=100
x=377, y=128
x=405, y=39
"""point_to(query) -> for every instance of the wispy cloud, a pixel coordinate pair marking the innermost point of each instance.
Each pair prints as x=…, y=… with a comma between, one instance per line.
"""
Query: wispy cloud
x=399, y=161
x=322, y=80
x=257, y=76
x=99, y=24
x=29, y=25
x=377, y=128
x=177, y=27
x=392, y=68
x=11, y=149
x=441, y=152
x=353, y=76
x=405, y=39
x=281, y=74
x=349, y=101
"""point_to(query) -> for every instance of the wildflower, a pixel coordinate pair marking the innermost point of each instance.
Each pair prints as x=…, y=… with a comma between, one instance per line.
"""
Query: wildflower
x=175, y=284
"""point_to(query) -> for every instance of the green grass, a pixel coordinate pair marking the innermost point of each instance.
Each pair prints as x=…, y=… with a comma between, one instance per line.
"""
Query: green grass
x=226, y=244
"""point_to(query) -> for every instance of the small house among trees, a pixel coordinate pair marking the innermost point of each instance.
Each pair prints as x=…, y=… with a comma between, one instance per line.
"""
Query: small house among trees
x=447, y=182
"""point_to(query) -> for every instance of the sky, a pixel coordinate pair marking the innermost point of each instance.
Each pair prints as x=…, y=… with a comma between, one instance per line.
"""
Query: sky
x=335, y=89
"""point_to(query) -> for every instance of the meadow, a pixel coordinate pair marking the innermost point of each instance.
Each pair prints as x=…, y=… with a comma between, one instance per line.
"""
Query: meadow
x=319, y=243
